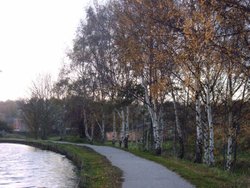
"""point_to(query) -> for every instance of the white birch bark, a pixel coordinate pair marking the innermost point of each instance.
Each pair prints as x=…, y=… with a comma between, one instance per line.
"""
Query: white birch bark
x=114, y=128
x=123, y=125
x=127, y=121
x=122, y=131
x=90, y=138
x=103, y=127
x=199, y=131
x=205, y=143
x=229, y=157
x=151, y=106
x=210, y=127
x=126, y=132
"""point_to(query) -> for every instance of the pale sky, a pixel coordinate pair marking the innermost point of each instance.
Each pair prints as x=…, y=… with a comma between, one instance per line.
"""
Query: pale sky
x=34, y=35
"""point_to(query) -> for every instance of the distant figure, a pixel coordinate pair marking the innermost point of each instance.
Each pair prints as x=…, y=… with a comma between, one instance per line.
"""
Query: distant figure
x=120, y=143
x=126, y=141
x=113, y=142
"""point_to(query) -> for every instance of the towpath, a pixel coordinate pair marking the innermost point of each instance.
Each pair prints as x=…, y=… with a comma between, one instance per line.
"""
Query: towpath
x=139, y=172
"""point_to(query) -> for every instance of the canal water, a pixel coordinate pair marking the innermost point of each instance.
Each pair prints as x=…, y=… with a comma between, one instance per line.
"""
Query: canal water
x=24, y=166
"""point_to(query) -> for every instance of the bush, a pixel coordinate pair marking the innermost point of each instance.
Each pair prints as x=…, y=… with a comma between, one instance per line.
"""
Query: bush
x=4, y=127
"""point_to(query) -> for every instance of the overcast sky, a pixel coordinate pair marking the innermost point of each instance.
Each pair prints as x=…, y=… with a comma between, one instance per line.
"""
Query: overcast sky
x=34, y=35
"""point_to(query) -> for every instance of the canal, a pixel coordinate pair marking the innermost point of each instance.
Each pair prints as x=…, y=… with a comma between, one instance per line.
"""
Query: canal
x=24, y=166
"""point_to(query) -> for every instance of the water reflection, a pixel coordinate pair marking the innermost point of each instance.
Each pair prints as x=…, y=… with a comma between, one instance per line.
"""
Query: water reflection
x=24, y=166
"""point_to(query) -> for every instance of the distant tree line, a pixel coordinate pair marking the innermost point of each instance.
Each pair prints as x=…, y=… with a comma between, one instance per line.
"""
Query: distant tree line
x=179, y=64
x=8, y=113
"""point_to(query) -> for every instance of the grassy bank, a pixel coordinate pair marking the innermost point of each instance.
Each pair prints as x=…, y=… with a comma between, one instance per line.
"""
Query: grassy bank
x=95, y=171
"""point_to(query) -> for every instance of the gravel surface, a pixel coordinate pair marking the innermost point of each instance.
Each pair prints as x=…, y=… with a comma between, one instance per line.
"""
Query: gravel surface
x=139, y=172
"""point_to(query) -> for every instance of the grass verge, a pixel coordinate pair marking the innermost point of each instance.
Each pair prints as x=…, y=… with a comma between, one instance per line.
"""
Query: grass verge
x=95, y=171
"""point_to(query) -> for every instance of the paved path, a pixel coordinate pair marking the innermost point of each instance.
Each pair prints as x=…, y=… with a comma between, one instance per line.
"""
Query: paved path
x=139, y=172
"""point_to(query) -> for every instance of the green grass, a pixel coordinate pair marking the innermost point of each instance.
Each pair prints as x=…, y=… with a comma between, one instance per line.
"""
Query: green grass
x=74, y=139
x=95, y=171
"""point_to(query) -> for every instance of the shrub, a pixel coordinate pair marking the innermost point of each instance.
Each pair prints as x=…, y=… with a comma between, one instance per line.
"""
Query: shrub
x=4, y=127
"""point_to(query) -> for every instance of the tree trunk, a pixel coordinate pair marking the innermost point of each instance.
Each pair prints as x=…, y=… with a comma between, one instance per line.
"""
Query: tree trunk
x=92, y=132
x=114, y=129
x=86, y=127
x=205, y=143
x=178, y=128
x=103, y=127
x=126, y=128
x=230, y=138
x=156, y=134
x=127, y=120
x=123, y=133
x=151, y=106
x=199, y=131
x=123, y=128
x=210, y=127
x=229, y=157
